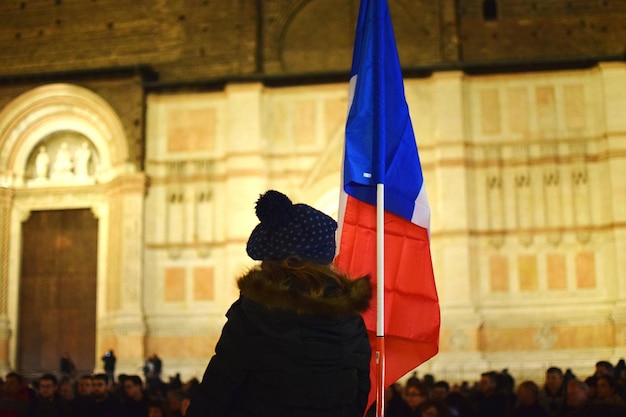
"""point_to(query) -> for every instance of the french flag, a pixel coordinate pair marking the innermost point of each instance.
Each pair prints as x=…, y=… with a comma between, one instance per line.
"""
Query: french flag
x=380, y=149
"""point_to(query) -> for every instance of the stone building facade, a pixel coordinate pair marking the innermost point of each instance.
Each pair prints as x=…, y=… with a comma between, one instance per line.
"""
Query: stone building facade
x=187, y=111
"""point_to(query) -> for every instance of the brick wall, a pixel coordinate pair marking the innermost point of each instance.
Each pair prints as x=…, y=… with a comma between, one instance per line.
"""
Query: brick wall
x=183, y=39
x=540, y=30
x=187, y=41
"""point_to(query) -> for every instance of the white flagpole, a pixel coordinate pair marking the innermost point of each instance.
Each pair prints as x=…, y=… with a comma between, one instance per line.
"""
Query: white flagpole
x=380, y=300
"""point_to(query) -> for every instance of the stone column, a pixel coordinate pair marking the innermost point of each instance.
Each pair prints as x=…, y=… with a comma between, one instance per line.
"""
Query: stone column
x=451, y=245
x=6, y=198
x=122, y=324
x=245, y=172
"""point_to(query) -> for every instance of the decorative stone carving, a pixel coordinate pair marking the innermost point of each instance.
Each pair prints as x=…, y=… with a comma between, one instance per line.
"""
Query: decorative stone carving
x=82, y=156
x=63, y=165
x=580, y=192
x=524, y=199
x=66, y=163
x=545, y=338
x=203, y=207
x=176, y=223
x=552, y=194
x=42, y=164
x=495, y=197
x=458, y=340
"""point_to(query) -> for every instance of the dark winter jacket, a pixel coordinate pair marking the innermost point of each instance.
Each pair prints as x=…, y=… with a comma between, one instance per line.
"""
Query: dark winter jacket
x=284, y=352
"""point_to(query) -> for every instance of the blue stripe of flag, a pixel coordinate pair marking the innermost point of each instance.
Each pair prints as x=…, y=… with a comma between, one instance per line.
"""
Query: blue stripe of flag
x=380, y=143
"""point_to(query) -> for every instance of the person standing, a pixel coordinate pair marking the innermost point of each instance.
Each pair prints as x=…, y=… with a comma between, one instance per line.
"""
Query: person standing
x=294, y=343
x=109, y=360
x=158, y=365
x=67, y=366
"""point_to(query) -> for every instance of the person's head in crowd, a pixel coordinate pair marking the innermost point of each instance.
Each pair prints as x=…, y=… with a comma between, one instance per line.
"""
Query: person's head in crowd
x=413, y=379
x=605, y=388
x=590, y=381
x=100, y=387
x=191, y=386
x=577, y=393
x=459, y=403
x=133, y=387
x=429, y=380
x=175, y=382
x=569, y=375
x=66, y=389
x=554, y=379
x=415, y=394
x=441, y=389
x=393, y=391
x=505, y=381
x=156, y=408
x=604, y=368
x=174, y=401
x=620, y=369
x=120, y=381
x=527, y=393
x=432, y=408
x=47, y=386
x=184, y=404
x=84, y=385
x=488, y=383
x=13, y=384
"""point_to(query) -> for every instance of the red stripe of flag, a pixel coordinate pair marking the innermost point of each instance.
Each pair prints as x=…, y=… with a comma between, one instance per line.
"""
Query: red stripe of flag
x=381, y=149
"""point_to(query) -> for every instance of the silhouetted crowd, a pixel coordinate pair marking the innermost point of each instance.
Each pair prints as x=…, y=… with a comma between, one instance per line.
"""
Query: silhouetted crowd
x=494, y=394
x=94, y=396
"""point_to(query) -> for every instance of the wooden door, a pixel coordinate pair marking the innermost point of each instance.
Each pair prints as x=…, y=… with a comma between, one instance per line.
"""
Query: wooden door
x=57, y=301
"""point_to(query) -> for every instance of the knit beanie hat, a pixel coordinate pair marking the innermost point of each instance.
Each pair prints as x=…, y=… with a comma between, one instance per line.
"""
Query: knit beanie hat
x=288, y=229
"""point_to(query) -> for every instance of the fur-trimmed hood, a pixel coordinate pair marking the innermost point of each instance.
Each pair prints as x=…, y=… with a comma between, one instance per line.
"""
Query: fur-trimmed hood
x=350, y=297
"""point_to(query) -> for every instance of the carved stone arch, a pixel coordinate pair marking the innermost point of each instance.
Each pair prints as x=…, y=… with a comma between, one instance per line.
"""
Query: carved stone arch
x=304, y=30
x=298, y=42
x=285, y=18
x=52, y=108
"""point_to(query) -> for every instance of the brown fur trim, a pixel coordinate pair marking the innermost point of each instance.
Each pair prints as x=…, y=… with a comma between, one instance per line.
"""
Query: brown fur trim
x=353, y=298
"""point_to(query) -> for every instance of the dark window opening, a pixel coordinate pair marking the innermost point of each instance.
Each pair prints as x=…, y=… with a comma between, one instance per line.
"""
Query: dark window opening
x=490, y=10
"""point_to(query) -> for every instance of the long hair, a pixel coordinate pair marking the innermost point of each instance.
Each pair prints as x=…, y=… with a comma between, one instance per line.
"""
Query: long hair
x=306, y=288
x=308, y=277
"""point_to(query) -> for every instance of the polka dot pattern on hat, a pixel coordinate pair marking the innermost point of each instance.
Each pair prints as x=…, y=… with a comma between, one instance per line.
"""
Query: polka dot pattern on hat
x=302, y=231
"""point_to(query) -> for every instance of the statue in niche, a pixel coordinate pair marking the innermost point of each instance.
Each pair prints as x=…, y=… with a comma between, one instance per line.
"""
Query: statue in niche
x=62, y=167
x=42, y=163
x=81, y=160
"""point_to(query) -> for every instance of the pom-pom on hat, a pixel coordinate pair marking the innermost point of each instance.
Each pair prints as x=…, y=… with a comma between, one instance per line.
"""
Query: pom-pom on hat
x=288, y=229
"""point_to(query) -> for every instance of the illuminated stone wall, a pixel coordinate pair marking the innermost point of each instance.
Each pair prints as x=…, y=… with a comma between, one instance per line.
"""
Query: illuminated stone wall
x=523, y=177
x=524, y=174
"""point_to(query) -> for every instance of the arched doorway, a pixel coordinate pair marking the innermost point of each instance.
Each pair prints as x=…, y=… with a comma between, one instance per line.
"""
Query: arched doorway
x=72, y=209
